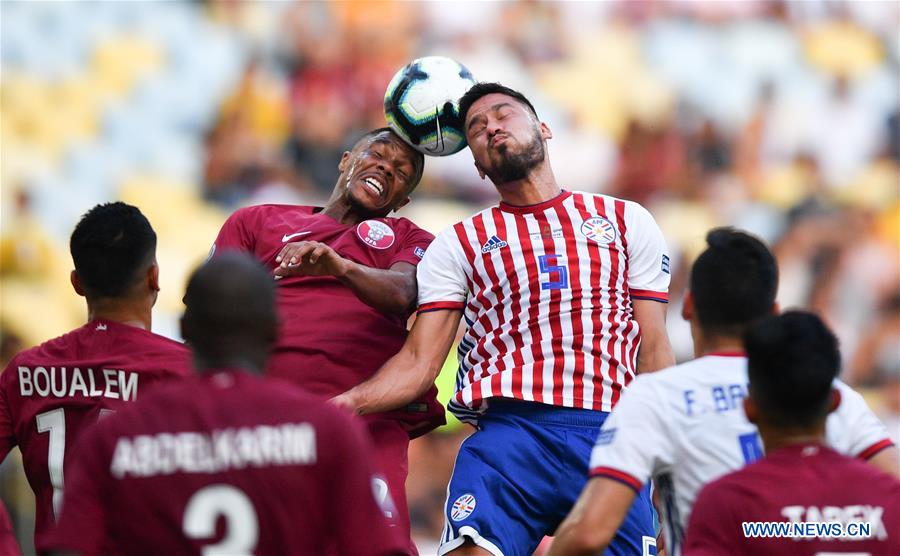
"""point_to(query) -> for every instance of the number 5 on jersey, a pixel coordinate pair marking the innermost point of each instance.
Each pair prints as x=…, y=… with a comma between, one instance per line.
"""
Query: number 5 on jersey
x=558, y=275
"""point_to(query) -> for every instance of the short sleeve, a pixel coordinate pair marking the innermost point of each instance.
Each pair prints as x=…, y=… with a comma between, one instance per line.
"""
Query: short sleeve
x=635, y=442
x=648, y=256
x=712, y=531
x=83, y=524
x=361, y=525
x=7, y=426
x=443, y=282
x=414, y=246
x=853, y=429
x=234, y=234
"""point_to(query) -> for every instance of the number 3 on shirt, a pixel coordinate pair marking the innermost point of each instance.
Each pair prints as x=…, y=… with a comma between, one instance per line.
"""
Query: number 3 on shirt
x=241, y=525
x=548, y=266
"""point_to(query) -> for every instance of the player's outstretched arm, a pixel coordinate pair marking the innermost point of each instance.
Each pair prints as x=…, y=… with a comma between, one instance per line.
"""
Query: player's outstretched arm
x=390, y=291
x=594, y=520
x=407, y=375
x=655, y=352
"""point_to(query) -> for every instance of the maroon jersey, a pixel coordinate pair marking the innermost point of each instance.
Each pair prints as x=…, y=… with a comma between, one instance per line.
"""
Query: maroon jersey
x=50, y=393
x=805, y=483
x=226, y=463
x=330, y=341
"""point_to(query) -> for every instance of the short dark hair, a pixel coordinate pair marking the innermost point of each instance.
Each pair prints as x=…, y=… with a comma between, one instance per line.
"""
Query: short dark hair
x=793, y=359
x=479, y=90
x=111, y=246
x=229, y=305
x=733, y=282
x=418, y=157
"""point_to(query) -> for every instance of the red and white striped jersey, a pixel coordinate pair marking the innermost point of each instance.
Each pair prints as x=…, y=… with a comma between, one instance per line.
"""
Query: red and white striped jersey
x=546, y=293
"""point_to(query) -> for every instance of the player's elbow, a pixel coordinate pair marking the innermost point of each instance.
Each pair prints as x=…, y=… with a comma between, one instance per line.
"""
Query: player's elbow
x=393, y=304
x=399, y=299
x=655, y=353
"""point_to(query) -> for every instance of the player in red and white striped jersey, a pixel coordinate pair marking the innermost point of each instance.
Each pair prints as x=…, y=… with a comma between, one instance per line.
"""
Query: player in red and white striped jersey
x=564, y=298
x=547, y=292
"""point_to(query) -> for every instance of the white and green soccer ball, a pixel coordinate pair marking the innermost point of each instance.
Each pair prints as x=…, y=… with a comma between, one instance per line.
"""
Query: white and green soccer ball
x=421, y=104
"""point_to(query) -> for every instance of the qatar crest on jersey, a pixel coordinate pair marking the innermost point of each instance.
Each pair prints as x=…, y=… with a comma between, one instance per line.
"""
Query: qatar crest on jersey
x=375, y=233
x=599, y=229
x=462, y=507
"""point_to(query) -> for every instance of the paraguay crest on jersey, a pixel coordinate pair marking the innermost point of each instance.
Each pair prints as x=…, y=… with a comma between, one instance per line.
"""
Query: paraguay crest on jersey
x=462, y=507
x=375, y=233
x=599, y=229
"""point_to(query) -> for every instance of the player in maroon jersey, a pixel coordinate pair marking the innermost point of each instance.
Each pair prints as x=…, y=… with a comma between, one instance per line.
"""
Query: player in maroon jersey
x=792, y=361
x=225, y=462
x=49, y=393
x=346, y=287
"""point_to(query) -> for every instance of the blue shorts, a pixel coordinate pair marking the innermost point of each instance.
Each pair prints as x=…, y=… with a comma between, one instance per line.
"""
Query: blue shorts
x=519, y=474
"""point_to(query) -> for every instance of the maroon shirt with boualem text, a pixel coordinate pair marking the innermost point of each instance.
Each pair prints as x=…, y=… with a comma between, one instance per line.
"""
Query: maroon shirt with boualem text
x=50, y=393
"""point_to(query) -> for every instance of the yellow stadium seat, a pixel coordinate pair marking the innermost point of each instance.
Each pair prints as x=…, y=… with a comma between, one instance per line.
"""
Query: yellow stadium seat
x=842, y=48
x=37, y=310
x=118, y=62
x=186, y=228
x=597, y=81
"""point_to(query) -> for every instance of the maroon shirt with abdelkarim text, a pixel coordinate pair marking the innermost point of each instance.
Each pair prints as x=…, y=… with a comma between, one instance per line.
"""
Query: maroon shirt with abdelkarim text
x=329, y=340
x=224, y=463
x=797, y=484
x=50, y=393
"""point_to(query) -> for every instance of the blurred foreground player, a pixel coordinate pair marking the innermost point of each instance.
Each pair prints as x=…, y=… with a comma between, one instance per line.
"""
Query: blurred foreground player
x=225, y=462
x=50, y=393
x=564, y=294
x=792, y=361
x=684, y=427
x=346, y=288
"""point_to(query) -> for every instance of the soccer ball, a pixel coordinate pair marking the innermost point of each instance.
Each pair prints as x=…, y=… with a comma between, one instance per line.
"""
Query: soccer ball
x=421, y=104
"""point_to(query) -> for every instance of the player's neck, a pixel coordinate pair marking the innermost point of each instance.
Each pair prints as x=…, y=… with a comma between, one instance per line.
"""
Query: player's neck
x=339, y=209
x=123, y=312
x=705, y=344
x=248, y=362
x=777, y=438
x=538, y=186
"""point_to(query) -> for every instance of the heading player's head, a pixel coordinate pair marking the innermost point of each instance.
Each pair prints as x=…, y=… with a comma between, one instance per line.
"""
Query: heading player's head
x=733, y=283
x=379, y=173
x=793, y=360
x=230, y=319
x=113, y=247
x=505, y=135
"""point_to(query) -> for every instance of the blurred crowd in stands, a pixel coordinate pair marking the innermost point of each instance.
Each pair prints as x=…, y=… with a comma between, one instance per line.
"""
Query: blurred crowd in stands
x=777, y=117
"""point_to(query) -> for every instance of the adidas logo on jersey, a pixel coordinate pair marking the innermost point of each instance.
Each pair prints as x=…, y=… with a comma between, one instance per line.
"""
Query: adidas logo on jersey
x=493, y=244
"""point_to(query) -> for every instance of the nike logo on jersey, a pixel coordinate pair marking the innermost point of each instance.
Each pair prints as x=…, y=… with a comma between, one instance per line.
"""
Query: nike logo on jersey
x=493, y=244
x=287, y=237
